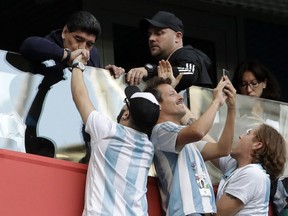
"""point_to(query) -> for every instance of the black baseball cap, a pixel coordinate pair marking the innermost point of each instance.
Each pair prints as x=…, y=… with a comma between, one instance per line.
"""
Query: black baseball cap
x=163, y=19
x=143, y=107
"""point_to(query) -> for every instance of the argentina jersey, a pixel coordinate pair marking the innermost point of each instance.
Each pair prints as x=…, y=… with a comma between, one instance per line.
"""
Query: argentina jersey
x=183, y=178
x=120, y=162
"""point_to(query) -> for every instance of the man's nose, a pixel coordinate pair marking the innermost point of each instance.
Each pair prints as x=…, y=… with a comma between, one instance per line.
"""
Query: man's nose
x=82, y=45
x=151, y=37
x=180, y=97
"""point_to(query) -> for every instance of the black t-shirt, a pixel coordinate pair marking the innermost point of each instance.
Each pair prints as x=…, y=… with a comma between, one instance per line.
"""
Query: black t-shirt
x=194, y=63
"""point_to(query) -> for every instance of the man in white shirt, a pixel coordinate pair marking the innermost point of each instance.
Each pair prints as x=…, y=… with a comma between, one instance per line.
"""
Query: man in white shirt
x=121, y=153
x=184, y=182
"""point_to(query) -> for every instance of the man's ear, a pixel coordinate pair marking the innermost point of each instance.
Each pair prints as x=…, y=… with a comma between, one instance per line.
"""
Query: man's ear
x=179, y=34
x=64, y=32
x=178, y=37
x=126, y=115
x=124, y=119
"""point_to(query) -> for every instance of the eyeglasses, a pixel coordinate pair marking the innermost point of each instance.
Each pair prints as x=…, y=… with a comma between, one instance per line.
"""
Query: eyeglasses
x=253, y=84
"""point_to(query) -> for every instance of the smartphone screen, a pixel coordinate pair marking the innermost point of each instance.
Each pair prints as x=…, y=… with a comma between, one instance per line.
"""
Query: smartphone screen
x=225, y=72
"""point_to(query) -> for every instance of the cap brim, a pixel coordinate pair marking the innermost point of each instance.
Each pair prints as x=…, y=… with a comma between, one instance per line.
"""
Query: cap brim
x=144, y=24
x=130, y=90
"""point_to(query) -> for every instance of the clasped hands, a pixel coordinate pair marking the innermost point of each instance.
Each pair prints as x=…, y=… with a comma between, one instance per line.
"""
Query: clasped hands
x=83, y=55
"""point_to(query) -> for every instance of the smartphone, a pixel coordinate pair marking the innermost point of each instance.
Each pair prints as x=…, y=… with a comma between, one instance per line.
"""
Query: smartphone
x=225, y=72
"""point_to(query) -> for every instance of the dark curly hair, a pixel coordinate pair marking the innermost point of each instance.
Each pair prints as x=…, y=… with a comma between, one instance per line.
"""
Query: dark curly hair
x=272, y=156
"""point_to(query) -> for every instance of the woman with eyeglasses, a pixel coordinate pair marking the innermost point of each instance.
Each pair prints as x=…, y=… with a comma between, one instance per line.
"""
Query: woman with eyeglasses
x=254, y=79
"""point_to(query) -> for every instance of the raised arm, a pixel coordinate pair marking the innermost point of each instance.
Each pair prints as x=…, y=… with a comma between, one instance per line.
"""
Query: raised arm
x=198, y=129
x=223, y=146
x=79, y=90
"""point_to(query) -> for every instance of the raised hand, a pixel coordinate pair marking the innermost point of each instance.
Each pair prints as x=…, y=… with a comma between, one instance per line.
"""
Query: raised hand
x=230, y=92
x=165, y=71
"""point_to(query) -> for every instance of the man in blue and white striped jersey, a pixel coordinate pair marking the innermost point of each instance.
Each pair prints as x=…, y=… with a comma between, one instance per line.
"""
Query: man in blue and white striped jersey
x=121, y=153
x=184, y=182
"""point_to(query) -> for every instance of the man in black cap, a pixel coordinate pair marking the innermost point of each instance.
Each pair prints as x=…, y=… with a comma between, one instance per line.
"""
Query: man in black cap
x=165, y=37
x=121, y=153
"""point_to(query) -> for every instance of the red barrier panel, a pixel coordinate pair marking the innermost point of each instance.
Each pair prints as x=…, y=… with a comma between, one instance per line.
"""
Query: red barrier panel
x=153, y=197
x=39, y=186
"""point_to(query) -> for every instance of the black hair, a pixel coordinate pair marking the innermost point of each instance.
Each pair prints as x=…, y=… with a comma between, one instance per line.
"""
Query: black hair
x=84, y=21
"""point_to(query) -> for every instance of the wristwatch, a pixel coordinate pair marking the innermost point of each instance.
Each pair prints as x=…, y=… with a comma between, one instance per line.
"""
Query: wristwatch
x=150, y=69
x=68, y=56
x=79, y=65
